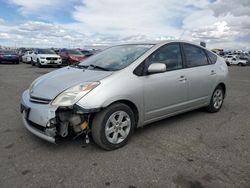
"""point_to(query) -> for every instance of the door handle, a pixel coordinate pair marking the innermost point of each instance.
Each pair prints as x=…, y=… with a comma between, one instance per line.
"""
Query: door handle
x=213, y=72
x=182, y=78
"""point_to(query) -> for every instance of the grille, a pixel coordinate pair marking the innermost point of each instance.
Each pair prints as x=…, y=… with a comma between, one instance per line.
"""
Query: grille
x=39, y=100
x=51, y=58
x=36, y=126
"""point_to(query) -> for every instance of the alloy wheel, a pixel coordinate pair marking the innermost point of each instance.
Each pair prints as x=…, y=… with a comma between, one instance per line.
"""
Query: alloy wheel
x=117, y=127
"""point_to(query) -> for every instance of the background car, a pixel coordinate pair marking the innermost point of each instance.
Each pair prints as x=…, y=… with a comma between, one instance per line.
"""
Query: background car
x=71, y=56
x=26, y=58
x=87, y=53
x=44, y=57
x=21, y=53
x=9, y=56
x=235, y=60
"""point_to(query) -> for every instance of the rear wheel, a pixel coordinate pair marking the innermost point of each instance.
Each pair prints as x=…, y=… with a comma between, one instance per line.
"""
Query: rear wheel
x=216, y=100
x=112, y=127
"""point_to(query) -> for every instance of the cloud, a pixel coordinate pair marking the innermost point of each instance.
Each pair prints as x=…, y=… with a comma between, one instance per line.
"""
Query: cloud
x=236, y=8
x=116, y=21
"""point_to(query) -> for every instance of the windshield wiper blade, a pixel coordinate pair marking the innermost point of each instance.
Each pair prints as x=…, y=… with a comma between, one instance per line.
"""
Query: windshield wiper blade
x=98, y=67
x=78, y=66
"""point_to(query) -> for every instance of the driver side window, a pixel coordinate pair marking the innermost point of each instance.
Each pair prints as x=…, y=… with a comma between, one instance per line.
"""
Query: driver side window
x=169, y=54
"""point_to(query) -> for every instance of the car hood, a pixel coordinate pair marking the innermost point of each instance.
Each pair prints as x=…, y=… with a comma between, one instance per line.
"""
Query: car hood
x=50, y=85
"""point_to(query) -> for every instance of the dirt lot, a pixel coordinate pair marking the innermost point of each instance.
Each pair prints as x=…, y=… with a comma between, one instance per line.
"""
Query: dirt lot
x=195, y=149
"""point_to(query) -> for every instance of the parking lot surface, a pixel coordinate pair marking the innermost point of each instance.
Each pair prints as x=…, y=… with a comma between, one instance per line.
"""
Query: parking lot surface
x=195, y=149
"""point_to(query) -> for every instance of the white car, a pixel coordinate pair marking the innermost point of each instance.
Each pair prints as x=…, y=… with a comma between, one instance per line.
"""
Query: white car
x=45, y=57
x=235, y=60
x=26, y=58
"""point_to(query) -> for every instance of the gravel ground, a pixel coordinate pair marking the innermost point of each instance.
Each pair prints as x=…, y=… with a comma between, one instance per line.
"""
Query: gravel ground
x=195, y=149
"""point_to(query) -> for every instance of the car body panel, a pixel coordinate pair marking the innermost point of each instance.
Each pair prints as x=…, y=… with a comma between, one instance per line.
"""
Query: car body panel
x=56, y=82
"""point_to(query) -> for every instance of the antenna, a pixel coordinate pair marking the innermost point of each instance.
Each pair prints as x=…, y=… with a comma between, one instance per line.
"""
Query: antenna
x=184, y=30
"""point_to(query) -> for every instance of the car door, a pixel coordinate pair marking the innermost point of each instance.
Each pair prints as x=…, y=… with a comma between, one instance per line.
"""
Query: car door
x=165, y=93
x=200, y=75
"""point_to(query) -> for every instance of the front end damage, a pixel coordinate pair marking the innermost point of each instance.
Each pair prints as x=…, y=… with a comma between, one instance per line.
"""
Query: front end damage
x=72, y=121
x=55, y=123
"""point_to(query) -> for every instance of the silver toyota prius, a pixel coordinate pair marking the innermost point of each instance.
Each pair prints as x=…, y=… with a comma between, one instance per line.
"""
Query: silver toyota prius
x=121, y=88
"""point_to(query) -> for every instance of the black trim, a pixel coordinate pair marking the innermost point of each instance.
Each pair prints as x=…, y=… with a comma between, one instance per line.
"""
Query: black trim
x=79, y=109
x=39, y=100
x=36, y=126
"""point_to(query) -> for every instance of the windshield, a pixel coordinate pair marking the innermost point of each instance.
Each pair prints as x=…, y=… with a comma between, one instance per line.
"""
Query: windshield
x=74, y=52
x=9, y=52
x=45, y=51
x=117, y=57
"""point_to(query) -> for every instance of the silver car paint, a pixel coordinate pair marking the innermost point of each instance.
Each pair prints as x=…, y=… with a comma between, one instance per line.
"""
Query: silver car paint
x=155, y=96
x=50, y=85
x=124, y=85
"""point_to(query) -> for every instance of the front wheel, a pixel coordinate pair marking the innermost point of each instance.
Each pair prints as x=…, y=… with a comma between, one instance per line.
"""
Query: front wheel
x=32, y=62
x=38, y=63
x=112, y=127
x=216, y=100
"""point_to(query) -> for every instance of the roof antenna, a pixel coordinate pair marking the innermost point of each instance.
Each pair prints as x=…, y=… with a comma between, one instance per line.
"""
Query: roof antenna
x=183, y=32
x=203, y=44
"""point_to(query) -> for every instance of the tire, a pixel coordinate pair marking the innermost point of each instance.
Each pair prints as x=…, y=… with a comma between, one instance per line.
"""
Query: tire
x=32, y=62
x=38, y=63
x=240, y=64
x=102, y=122
x=217, y=100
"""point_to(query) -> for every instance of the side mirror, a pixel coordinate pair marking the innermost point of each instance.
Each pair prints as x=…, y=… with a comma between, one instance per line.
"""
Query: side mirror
x=157, y=68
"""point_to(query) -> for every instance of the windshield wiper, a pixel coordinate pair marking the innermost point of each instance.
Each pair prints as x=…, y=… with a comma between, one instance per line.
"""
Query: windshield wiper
x=98, y=67
x=89, y=66
x=78, y=66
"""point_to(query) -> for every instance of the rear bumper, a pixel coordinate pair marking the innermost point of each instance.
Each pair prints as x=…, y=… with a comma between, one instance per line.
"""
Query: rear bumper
x=36, y=118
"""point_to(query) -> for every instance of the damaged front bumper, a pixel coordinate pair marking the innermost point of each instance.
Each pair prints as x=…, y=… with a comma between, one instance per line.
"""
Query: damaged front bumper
x=36, y=118
x=51, y=123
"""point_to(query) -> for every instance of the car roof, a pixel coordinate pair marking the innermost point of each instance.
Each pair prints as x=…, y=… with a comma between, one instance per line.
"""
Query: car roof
x=162, y=42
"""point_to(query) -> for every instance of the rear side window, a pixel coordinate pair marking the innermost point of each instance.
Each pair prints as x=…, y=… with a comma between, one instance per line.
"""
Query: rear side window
x=212, y=57
x=195, y=56
x=169, y=54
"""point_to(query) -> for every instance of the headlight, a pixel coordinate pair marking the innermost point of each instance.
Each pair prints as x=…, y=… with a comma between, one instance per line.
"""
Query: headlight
x=31, y=87
x=42, y=57
x=74, y=94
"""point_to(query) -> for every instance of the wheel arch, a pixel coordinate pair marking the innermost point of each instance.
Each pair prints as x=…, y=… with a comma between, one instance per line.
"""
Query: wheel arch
x=223, y=85
x=131, y=105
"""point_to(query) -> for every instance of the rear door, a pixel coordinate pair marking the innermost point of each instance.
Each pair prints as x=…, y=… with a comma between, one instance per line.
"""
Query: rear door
x=201, y=75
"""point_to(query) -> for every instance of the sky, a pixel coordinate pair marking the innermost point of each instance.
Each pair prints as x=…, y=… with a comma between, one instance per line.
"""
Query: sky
x=80, y=23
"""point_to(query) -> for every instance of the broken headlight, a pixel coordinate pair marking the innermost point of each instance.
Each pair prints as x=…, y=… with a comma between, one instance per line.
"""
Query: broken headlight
x=72, y=95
